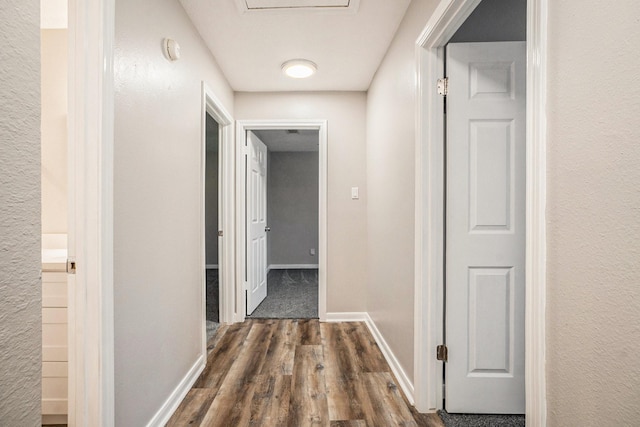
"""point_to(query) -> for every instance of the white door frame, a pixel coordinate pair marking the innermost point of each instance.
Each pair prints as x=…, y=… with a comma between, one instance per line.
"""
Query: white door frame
x=429, y=245
x=90, y=235
x=242, y=126
x=211, y=105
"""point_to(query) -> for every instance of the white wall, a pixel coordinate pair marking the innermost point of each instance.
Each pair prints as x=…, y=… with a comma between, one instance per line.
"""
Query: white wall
x=347, y=219
x=157, y=181
x=390, y=179
x=593, y=208
x=54, y=130
x=20, y=227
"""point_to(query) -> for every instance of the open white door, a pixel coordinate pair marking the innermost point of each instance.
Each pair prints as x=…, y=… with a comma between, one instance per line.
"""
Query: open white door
x=256, y=222
x=485, y=228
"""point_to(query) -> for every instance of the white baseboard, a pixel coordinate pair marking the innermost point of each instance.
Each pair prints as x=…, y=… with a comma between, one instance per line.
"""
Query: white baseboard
x=396, y=368
x=291, y=266
x=354, y=316
x=211, y=266
x=175, y=398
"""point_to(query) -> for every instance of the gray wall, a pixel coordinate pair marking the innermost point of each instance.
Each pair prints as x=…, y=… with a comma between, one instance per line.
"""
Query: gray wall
x=20, y=227
x=494, y=21
x=292, y=207
x=157, y=203
x=211, y=191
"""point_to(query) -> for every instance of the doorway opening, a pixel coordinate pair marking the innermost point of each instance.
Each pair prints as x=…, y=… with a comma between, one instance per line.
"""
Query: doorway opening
x=212, y=225
x=57, y=406
x=217, y=216
x=484, y=214
x=292, y=227
x=298, y=252
x=448, y=18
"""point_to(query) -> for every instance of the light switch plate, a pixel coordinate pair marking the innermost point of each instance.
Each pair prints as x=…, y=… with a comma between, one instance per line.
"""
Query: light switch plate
x=354, y=193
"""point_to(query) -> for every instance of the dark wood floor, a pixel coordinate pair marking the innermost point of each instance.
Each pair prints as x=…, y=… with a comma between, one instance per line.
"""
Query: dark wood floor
x=297, y=373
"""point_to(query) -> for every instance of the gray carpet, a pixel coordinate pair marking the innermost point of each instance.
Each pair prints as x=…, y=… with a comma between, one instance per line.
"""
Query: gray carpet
x=291, y=294
x=213, y=303
x=481, y=420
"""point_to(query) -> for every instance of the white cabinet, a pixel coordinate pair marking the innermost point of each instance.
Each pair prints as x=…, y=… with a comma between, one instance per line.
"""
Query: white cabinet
x=54, y=343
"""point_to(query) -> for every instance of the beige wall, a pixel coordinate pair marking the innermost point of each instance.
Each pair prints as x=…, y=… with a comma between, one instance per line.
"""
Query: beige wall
x=54, y=47
x=347, y=219
x=20, y=227
x=593, y=208
x=390, y=180
x=158, y=288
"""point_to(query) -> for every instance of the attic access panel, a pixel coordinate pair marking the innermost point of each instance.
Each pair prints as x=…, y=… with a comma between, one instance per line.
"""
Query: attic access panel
x=298, y=5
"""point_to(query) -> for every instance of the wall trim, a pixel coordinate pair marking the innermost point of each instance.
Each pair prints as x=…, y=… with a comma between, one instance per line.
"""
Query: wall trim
x=178, y=394
x=536, y=252
x=352, y=316
x=291, y=266
x=226, y=219
x=91, y=395
x=429, y=271
x=403, y=379
x=242, y=127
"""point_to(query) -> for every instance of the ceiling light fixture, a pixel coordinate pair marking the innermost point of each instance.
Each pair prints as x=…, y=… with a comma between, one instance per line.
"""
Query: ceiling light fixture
x=299, y=68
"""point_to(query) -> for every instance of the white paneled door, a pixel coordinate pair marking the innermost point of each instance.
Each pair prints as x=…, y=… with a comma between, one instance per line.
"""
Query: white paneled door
x=256, y=222
x=485, y=228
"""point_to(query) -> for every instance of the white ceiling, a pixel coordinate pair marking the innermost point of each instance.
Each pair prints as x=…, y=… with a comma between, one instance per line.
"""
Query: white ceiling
x=250, y=46
x=283, y=140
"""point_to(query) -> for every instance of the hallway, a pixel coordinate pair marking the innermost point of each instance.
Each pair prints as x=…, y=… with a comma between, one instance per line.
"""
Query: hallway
x=296, y=373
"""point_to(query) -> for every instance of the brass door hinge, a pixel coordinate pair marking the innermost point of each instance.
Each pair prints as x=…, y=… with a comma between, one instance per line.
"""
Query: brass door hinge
x=442, y=353
x=71, y=265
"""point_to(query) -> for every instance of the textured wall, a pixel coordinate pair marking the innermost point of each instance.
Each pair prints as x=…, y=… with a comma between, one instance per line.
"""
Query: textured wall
x=292, y=207
x=20, y=290
x=157, y=193
x=390, y=180
x=54, y=130
x=593, y=287
x=347, y=219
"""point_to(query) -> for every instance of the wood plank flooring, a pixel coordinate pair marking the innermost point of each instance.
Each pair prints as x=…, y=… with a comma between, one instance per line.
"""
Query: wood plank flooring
x=296, y=373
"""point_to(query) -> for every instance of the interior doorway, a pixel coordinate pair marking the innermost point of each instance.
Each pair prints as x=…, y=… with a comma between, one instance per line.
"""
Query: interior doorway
x=303, y=259
x=212, y=225
x=484, y=244
x=217, y=216
x=283, y=191
x=58, y=308
x=446, y=21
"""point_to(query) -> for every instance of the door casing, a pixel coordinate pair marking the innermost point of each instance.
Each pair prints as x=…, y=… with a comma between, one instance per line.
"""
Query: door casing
x=429, y=216
x=212, y=106
x=242, y=126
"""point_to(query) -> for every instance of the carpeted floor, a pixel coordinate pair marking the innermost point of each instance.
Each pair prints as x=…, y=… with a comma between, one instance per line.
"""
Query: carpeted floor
x=481, y=420
x=213, y=303
x=291, y=294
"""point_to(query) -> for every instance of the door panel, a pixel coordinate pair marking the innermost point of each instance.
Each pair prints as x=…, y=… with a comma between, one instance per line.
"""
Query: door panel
x=485, y=227
x=257, y=222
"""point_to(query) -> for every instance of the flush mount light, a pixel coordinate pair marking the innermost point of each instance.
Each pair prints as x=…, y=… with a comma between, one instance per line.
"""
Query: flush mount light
x=299, y=68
